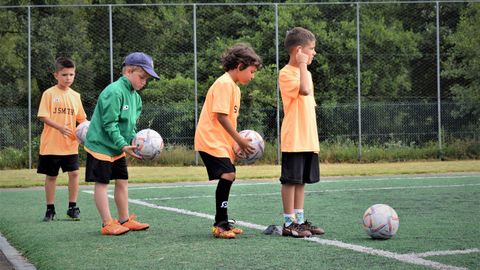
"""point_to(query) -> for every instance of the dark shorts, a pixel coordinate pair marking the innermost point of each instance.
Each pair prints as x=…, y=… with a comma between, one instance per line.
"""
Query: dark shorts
x=300, y=168
x=101, y=171
x=50, y=164
x=216, y=166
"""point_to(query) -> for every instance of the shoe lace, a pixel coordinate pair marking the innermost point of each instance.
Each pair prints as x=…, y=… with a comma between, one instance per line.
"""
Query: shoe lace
x=132, y=218
x=298, y=227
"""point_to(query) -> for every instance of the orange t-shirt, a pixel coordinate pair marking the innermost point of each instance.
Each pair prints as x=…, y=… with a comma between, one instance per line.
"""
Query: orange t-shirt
x=64, y=107
x=299, y=125
x=210, y=136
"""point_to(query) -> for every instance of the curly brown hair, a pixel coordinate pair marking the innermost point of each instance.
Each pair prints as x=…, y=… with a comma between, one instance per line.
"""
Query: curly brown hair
x=240, y=54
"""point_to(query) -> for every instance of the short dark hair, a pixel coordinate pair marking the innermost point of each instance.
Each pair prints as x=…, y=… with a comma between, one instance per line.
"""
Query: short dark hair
x=240, y=54
x=63, y=62
x=298, y=36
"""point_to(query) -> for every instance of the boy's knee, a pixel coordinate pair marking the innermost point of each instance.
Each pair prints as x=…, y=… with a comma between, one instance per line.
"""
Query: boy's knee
x=228, y=176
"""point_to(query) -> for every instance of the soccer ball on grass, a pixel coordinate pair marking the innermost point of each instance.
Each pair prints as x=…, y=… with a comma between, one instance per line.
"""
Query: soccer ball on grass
x=380, y=221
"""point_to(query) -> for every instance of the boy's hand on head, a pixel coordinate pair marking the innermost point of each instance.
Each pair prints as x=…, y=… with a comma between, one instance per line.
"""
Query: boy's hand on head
x=301, y=57
x=130, y=150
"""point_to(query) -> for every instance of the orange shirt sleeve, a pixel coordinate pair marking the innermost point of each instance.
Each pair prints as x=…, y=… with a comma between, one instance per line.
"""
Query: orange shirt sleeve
x=289, y=82
x=44, y=107
x=81, y=115
x=222, y=97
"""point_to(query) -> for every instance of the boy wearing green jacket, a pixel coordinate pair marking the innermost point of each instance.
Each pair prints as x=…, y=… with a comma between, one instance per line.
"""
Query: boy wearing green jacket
x=112, y=128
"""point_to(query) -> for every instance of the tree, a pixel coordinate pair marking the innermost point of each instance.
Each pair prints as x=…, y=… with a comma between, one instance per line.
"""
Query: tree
x=463, y=65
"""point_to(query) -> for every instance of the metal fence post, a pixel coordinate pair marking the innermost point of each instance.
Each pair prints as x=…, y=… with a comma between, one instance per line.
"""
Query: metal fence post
x=278, y=89
x=359, y=86
x=110, y=29
x=439, y=105
x=195, y=74
x=29, y=88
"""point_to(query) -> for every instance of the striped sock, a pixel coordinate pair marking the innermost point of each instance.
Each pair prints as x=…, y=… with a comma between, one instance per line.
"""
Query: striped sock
x=289, y=219
x=299, y=215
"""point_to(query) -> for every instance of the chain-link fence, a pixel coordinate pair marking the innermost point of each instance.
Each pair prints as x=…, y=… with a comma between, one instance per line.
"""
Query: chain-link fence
x=384, y=71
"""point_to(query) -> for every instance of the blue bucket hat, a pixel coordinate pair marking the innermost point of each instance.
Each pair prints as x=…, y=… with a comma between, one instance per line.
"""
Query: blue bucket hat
x=142, y=60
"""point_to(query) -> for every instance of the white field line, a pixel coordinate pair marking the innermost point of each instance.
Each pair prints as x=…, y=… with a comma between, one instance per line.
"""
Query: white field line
x=212, y=184
x=314, y=191
x=446, y=252
x=407, y=258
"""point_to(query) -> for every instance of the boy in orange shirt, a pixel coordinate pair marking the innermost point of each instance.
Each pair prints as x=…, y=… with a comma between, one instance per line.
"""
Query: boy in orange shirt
x=60, y=110
x=299, y=137
x=216, y=130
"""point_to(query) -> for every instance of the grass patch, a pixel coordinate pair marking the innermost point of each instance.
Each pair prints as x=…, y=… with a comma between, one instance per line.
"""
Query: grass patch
x=139, y=174
x=179, y=241
x=331, y=151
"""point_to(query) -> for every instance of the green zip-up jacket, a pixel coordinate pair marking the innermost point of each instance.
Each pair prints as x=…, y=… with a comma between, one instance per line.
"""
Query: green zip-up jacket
x=113, y=124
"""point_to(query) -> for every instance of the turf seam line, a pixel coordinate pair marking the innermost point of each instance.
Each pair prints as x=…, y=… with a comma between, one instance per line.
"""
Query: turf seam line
x=407, y=258
x=446, y=252
x=321, y=181
x=313, y=191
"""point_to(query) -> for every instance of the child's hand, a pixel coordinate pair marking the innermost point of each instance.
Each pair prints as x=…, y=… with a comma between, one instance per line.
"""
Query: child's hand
x=301, y=57
x=246, y=146
x=130, y=150
x=66, y=131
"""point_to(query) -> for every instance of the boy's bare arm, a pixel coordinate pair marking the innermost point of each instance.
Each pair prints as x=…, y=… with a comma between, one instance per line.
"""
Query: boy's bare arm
x=302, y=60
x=65, y=130
x=242, y=142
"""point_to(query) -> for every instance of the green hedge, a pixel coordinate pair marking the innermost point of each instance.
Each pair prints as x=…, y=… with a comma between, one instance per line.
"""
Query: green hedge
x=330, y=152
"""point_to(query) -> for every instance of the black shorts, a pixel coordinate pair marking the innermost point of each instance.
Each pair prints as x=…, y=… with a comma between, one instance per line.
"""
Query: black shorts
x=216, y=166
x=300, y=168
x=103, y=171
x=50, y=164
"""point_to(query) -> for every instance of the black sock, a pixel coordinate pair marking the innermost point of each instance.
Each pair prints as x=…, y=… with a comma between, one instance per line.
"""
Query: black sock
x=72, y=204
x=51, y=207
x=221, y=199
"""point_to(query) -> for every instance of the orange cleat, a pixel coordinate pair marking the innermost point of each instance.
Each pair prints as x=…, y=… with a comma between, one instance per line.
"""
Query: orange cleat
x=134, y=225
x=234, y=229
x=220, y=232
x=114, y=228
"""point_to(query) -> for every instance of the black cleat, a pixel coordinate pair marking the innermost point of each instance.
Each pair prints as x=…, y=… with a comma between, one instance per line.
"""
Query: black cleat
x=295, y=230
x=73, y=213
x=49, y=215
x=313, y=229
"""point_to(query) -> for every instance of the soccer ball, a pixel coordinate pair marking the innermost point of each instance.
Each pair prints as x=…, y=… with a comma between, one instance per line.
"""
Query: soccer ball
x=257, y=142
x=380, y=221
x=149, y=144
x=81, y=131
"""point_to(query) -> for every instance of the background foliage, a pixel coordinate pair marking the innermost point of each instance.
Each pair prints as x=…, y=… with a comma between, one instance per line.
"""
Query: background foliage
x=399, y=98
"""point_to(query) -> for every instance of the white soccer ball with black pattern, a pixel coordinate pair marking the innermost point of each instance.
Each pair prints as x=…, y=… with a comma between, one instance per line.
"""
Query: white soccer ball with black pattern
x=380, y=221
x=81, y=131
x=257, y=142
x=149, y=144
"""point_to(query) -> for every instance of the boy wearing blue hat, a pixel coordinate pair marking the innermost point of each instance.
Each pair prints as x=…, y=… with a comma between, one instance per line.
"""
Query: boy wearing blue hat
x=112, y=128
